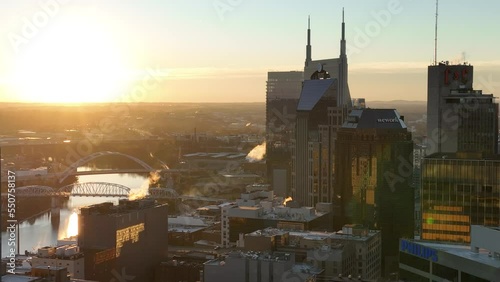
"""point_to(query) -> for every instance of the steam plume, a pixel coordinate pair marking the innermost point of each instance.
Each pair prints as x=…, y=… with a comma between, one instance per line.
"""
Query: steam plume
x=257, y=153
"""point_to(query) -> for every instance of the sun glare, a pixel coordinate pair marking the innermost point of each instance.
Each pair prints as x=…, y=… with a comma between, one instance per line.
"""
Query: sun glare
x=72, y=225
x=74, y=62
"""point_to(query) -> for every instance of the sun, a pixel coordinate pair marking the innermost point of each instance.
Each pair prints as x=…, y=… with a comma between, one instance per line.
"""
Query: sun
x=73, y=62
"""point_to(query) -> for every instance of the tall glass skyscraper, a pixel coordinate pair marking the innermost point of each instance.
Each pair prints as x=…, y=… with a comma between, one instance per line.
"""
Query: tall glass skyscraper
x=459, y=190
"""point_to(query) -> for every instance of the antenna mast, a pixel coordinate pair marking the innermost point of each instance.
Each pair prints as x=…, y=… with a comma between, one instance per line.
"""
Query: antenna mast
x=436, y=35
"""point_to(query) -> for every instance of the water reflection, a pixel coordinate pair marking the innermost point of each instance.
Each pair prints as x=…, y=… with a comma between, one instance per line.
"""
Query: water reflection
x=41, y=231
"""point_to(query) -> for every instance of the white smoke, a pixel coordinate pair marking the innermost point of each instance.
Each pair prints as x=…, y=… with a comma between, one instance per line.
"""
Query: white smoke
x=257, y=153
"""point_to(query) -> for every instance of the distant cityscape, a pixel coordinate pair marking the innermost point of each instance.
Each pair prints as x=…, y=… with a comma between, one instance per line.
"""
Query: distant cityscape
x=315, y=185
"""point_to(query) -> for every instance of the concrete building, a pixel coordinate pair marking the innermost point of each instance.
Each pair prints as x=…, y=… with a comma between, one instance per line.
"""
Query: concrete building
x=258, y=210
x=115, y=238
x=257, y=267
x=351, y=251
x=430, y=261
x=459, y=190
x=458, y=117
x=374, y=177
x=185, y=230
x=68, y=256
x=282, y=96
x=180, y=269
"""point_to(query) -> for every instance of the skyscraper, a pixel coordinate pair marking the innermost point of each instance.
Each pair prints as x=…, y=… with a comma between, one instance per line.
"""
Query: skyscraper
x=460, y=175
x=323, y=105
x=283, y=91
x=459, y=190
x=374, y=175
x=458, y=117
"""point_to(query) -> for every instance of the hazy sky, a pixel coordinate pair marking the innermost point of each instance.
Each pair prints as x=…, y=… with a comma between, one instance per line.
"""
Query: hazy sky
x=221, y=50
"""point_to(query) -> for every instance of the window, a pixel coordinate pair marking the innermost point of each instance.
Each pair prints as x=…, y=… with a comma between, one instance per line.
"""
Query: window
x=415, y=262
x=445, y=272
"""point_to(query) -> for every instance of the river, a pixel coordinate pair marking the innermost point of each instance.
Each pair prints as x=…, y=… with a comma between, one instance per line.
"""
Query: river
x=39, y=231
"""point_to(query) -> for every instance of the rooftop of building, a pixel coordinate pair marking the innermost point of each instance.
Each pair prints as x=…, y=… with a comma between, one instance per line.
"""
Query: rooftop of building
x=318, y=235
x=469, y=156
x=463, y=251
x=20, y=278
x=302, y=214
x=61, y=252
x=374, y=119
x=306, y=268
x=262, y=256
x=124, y=206
x=219, y=155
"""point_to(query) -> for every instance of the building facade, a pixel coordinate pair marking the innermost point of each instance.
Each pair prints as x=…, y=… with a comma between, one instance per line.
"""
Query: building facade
x=374, y=177
x=68, y=256
x=323, y=105
x=282, y=96
x=258, y=267
x=354, y=250
x=459, y=190
x=458, y=117
x=421, y=261
x=115, y=238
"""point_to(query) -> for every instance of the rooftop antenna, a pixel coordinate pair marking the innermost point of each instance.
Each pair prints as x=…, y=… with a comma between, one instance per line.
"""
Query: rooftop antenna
x=436, y=35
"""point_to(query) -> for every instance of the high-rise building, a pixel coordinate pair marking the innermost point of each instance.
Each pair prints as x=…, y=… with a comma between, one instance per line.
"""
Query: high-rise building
x=129, y=239
x=459, y=190
x=323, y=105
x=335, y=67
x=374, y=177
x=283, y=91
x=458, y=117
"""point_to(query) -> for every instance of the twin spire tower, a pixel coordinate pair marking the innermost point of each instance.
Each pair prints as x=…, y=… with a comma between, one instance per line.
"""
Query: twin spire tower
x=336, y=67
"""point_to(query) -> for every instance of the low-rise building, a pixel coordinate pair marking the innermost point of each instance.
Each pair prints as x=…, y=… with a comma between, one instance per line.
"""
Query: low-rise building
x=260, y=209
x=68, y=256
x=351, y=251
x=256, y=266
x=431, y=261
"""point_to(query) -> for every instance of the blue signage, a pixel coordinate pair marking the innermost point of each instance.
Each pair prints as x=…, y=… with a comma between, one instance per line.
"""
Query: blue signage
x=418, y=250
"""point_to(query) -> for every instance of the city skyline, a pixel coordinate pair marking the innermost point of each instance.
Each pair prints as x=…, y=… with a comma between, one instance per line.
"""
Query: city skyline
x=221, y=51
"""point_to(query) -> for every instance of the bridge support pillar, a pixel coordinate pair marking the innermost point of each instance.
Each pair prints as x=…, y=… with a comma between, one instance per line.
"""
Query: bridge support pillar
x=55, y=212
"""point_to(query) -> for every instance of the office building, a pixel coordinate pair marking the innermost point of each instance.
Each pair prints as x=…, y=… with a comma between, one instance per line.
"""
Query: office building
x=180, y=269
x=335, y=68
x=374, y=177
x=260, y=209
x=431, y=261
x=323, y=105
x=458, y=117
x=459, y=190
x=258, y=267
x=127, y=239
x=354, y=250
x=68, y=256
x=282, y=96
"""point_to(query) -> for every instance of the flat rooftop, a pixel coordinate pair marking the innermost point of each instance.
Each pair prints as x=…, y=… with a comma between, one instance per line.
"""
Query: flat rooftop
x=276, y=256
x=19, y=278
x=314, y=235
x=464, y=251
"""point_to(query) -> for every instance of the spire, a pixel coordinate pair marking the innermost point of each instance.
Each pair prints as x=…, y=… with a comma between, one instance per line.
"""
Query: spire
x=308, y=46
x=342, y=41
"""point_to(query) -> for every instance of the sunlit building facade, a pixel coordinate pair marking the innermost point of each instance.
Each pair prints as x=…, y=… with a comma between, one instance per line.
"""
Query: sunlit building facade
x=459, y=190
x=374, y=177
x=128, y=239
